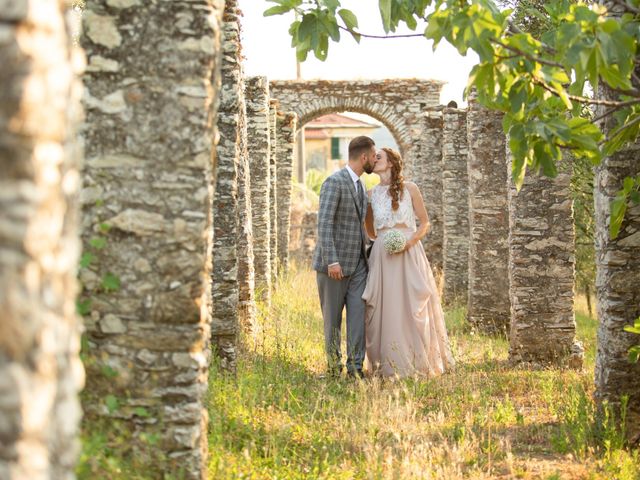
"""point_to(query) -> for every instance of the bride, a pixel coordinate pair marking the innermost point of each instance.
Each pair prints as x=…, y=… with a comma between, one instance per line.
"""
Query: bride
x=404, y=322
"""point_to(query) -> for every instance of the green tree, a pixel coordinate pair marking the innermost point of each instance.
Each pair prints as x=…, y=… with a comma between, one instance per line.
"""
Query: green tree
x=539, y=64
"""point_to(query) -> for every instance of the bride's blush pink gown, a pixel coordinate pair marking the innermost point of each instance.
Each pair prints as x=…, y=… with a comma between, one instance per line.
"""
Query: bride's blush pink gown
x=404, y=321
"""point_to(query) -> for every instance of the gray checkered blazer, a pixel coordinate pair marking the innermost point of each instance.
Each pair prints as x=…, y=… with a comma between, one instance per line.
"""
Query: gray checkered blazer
x=341, y=234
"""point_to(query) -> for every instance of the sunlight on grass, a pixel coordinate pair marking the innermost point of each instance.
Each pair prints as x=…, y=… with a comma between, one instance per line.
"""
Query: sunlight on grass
x=279, y=418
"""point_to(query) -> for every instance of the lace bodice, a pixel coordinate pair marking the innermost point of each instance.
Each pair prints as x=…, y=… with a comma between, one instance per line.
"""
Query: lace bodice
x=384, y=216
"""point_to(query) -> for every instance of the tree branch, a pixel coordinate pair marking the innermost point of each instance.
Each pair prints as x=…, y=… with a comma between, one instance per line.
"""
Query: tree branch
x=629, y=8
x=353, y=32
x=527, y=55
x=587, y=100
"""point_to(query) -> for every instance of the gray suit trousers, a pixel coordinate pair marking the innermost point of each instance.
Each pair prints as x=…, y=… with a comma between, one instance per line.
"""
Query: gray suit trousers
x=334, y=295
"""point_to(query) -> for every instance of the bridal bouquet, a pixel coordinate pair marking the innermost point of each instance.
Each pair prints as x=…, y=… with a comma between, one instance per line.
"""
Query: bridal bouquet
x=394, y=241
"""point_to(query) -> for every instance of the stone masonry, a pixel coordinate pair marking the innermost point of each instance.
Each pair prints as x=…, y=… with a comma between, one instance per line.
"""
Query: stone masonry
x=408, y=107
x=618, y=289
x=488, y=307
x=225, y=279
x=151, y=87
x=455, y=202
x=286, y=135
x=273, y=191
x=246, y=272
x=257, y=100
x=542, y=270
x=40, y=162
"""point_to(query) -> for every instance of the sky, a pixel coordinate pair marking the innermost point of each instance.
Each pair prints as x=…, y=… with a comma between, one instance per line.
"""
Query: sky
x=267, y=50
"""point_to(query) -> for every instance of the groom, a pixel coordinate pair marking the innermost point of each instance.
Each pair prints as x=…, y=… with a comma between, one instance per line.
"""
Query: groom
x=340, y=259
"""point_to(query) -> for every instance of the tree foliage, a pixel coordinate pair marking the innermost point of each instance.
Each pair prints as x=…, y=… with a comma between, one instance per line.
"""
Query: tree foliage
x=540, y=64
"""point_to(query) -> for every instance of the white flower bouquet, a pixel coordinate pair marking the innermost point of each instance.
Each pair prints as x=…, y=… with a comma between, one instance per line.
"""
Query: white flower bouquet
x=394, y=241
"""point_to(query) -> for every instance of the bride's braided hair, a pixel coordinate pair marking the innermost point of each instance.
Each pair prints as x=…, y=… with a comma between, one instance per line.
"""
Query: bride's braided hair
x=396, y=188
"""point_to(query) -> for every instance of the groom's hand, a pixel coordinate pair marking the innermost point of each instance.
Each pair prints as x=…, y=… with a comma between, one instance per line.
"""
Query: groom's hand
x=335, y=271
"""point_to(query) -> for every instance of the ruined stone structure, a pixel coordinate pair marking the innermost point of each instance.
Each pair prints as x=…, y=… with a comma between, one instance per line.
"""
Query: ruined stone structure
x=542, y=270
x=455, y=201
x=257, y=100
x=147, y=203
x=286, y=135
x=488, y=306
x=40, y=162
x=618, y=289
x=409, y=108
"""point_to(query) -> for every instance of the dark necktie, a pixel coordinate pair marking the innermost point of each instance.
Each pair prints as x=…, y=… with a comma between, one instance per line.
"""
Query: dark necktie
x=359, y=190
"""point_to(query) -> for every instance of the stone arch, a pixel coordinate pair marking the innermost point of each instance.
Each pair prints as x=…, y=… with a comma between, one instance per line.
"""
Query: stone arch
x=389, y=121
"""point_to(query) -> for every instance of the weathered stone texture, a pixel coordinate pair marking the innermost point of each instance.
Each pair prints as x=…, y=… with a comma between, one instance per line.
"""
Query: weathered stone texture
x=407, y=107
x=286, y=135
x=151, y=93
x=226, y=318
x=257, y=100
x=488, y=307
x=40, y=161
x=273, y=191
x=455, y=204
x=542, y=270
x=246, y=271
x=618, y=289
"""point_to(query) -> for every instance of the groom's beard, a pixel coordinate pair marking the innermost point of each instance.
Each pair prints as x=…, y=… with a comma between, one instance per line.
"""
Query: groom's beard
x=368, y=168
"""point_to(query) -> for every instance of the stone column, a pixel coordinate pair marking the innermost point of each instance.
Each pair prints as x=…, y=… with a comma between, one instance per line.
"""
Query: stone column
x=246, y=271
x=227, y=204
x=542, y=270
x=257, y=99
x=273, y=191
x=455, y=205
x=488, y=307
x=148, y=185
x=618, y=289
x=40, y=161
x=425, y=169
x=286, y=134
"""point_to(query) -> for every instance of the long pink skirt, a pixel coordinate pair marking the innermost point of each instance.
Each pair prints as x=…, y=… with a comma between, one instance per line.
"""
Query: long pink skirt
x=404, y=321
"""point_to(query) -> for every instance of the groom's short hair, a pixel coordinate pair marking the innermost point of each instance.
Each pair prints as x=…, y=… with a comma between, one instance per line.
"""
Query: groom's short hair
x=360, y=145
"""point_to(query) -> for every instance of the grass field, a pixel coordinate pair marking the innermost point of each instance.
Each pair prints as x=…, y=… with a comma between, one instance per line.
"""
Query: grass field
x=278, y=418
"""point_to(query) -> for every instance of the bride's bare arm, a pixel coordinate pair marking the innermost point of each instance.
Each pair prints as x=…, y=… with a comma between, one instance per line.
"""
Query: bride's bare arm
x=368, y=221
x=421, y=214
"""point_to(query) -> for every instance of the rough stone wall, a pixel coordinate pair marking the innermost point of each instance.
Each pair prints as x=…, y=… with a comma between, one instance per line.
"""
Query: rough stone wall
x=542, y=270
x=40, y=160
x=151, y=87
x=455, y=204
x=273, y=191
x=408, y=107
x=304, y=226
x=286, y=135
x=257, y=100
x=488, y=306
x=618, y=289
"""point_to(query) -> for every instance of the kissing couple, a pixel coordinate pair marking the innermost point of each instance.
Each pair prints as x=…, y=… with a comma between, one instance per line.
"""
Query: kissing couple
x=394, y=315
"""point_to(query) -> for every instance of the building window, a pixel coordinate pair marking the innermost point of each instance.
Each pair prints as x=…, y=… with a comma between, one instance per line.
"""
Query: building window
x=335, y=148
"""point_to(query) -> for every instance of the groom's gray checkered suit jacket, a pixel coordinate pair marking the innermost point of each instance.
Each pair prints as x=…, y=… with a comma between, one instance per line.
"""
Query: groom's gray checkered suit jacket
x=341, y=235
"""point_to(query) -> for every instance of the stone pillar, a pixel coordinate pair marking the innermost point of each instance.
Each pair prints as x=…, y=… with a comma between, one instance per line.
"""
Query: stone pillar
x=246, y=271
x=148, y=186
x=286, y=134
x=542, y=270
x=227, y=204
x=428, y=174
x=488, y=307
x=257, y=99
x=618, y=289
x=40, y=161
x=273, y=191
x=455, y=205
